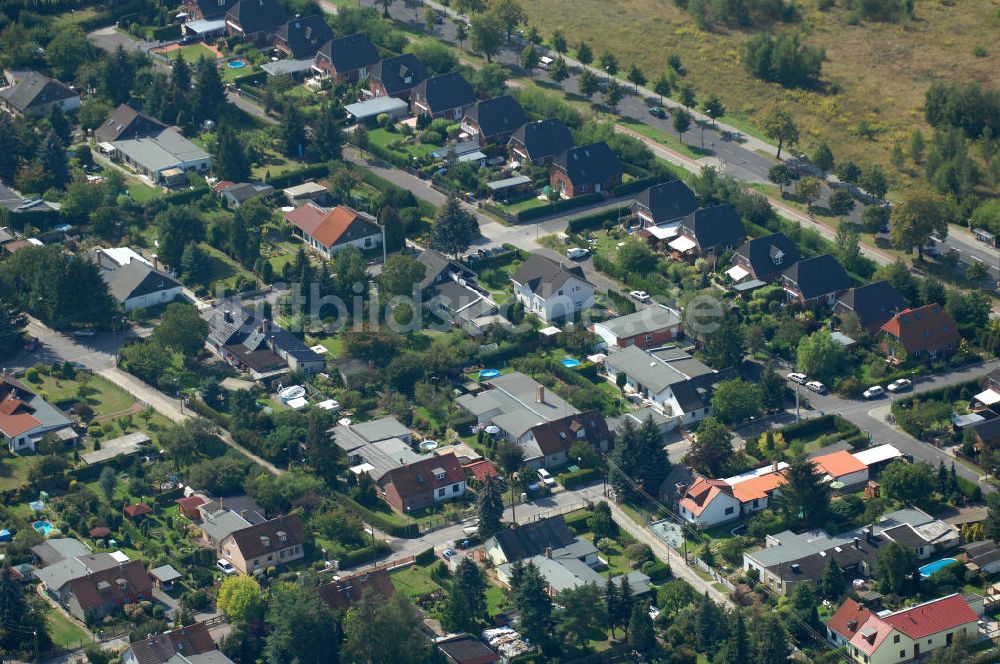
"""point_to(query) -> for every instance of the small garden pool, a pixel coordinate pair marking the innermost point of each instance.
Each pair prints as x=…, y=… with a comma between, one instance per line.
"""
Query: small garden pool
x=42, y=527
x=930, y=568
x=488, y=373
x=237, y=64
x=570, y=363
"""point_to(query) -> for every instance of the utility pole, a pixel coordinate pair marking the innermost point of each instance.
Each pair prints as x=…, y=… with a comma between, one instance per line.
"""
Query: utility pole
x=384, y=250
x=796, y=402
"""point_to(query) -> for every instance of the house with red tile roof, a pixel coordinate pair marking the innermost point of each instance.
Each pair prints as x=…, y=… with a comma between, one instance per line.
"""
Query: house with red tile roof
x=926, y=332
x=480, y=469
x=708, y=502
x=844, y=624
x=25, y=417
x=101, y=593
x=909, y=634
x=137, y=511
x=327, y=231
x=423, y=483
x=842, y=466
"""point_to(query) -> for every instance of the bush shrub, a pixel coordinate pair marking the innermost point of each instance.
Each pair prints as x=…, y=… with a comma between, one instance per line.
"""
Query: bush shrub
x=577, y=478
x=425, y=557
x=579, y=522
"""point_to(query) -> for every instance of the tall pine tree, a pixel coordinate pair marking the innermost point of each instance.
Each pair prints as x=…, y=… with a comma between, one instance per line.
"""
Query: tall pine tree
x=490, y=508
x=805, y=497
x=209, y=93
x=53, y=160
x=231, y=162
x=293, y=133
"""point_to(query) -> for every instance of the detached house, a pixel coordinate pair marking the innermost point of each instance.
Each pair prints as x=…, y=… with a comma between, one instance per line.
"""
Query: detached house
x=493, y=120
x=763, y=258
x=302, y=37
x=445, y=96
x=36, y=95
x=815, y=280
x=709, y=231
x=547, y=444
x=206, y=10
x=26, y=418
x=191, y=643
x=423, y=483
x=91, y=597
x=551, y=290
x=396, y=76
x=133, y=281
x=663, y=203
x=646, y=328
x=328, y=231
x=514, y=404
x=925, y=332
x=275, y=542
x=873, y=304
x=255, y=345
x=255, y=20
x=588, y=169
x=346, y=58
x=539, y=142
x=343, y=593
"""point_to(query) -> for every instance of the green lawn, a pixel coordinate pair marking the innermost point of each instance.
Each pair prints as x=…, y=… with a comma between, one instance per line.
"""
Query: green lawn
x=222, y=267
x=229, y=74
x=14, y=471
x=141, y=192
x=192, y=53
x=526, y=204
x=333, y=344
x=64, y=631
x=383, y=137
x=414, y=581
x=107, y=399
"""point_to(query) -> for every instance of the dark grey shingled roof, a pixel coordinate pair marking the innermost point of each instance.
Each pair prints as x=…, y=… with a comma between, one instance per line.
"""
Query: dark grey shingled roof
x=36, y=90
x=435, y=264
x=760, y=253
x=228, y=319
x=873, y=303
x=590, y=163
x=304, y=36
x=815, y=277
x=392, y=72
x=257, y=15
x=135, y=279
x=127, y=123
x=545, y=138
x=445, y=92
x=667, y=201
x=214, y=9
x=714, y=226
x=532, y=539
x=497, y=116
x=350, y=52
x=545, y=276
x=987, y=430
x=161, y=648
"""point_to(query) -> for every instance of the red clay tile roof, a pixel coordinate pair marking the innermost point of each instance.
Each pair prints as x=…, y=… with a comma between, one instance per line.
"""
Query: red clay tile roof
x=418, y=478
x=88, y=592
x=137, y=510
x=191, y=502
x=481, y=469
x=932, y=617
x=99, y=532
x=306, y=218
x=758, y=487
x=841, y=621
x=926, y=328
x=700, y=494
x=343, y=225
x=159, y=648
x=839, y=463
x=15, y=413
x=343, y=593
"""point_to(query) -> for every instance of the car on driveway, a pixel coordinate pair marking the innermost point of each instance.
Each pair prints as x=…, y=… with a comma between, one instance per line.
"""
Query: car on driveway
x=799, y=378
x=448, y=554
x=657, y=112
x=577, y=253
x=816, y=386
x=225, y=567
x=874, y=392
x=546, y=478
x=901, y=385
x=640, y=295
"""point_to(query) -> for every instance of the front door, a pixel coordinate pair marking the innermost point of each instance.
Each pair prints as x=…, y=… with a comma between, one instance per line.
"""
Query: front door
x=916, y=651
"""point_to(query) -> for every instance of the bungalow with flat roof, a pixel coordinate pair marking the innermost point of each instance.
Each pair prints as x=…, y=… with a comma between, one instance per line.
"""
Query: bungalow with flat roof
x=306, y=192
x=593, y=168
x=663, y=203
x=35, y=95
x=551, y=290
x=328, y=231
x=302, y=37
x=347, y=58
x=651, y=327
x=818, y=280
x=26, y=418
x=493, y=120
x=873, y=304
x=255, y=20
x=396, y=76
x=539, y=142
x=926, y=332
x=445, y=96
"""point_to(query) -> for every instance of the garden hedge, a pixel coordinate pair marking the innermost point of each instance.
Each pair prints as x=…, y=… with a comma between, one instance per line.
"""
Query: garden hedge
x=184, y=196
x=639, y=184
x=165, y=33
x=250, y=79
x=596, y=221
x=425, y=557
x=559, y=206
x=577, y=478
x=380, y=521
x=298, y=176
x=363, y=556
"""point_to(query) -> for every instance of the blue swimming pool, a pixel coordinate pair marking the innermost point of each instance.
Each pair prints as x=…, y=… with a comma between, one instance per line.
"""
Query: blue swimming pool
x=42, y=527
x=237, y=64
x=569, y=363
x=936, y=566
x=488, y=373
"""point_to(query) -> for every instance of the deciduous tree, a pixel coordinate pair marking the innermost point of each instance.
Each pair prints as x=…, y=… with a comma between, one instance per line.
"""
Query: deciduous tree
x=922, y=214
x=779, y=125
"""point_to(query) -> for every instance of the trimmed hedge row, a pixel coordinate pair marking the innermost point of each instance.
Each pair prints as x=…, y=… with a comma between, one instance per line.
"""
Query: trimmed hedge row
x=818, y=426
x=298, y=176
x=596, y=221
x=366, y=555
x=639, y=184
x=425, y=557
x=577, y=477
x=164, y=33
x=250, y=79
x=558, y=206
x=969, y=489
x=380, y=521
x=185, y=196
x=203, y=409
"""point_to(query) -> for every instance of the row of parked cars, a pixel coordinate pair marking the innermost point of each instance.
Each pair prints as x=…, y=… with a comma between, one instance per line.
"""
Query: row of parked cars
x=873, y=392
x=802, y=379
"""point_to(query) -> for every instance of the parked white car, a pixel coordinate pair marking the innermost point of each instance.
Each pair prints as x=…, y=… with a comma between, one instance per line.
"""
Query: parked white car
x=577, y=253
x=901, y=385
x=799, y=378
x=225, y=567
x=874, y=392
x=546, y=477
x=640, y=295
x=816, y=386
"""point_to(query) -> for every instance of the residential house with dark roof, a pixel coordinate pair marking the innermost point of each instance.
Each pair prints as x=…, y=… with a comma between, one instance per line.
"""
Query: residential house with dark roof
x=550, y=290
x=983, y=556
x=986, y=431
x=26, y=418
x=873, y=304
x=134, y=282
x=709, y=231
x=343, y=593
x=438, y=269
x=651, y=327
x=346, y=58
x=815, y=280
x=445, y=96
x=514, y=403
x=93, y=596
x=549, y=537
x=236, y=194
x=764, y=258
x=466, y=306
x=423, y=483
x=275, y=542
x=36, y=95
x=539, y=142
x=926, y=332
x=493, y=120
x=466, y=649
x=593, y=168
x=206, y=10
x=255, y=20
x=396, y=76
x=189, y=644
x=663, y=203
x=328, y=231
x=302, y=38
x=547, y=444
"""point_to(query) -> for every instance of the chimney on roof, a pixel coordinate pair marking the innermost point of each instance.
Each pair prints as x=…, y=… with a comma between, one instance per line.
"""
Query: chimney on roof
x=540, y=394
x=548, y=552
x=852, y=625
x=156, y=262
x=857, y=543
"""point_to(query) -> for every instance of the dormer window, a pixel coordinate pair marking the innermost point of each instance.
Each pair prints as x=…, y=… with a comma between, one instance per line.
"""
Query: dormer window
x=582, y=433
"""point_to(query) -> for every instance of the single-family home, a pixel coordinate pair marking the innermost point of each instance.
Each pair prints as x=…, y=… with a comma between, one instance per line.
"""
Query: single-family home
x=551, y=290
x=465, y=649
x=154, y=150
x=421, y=484
x=815, y=280
x=493, y=120
x=466, y=306
x=236, y=194
x=593, y=168
x=926, y=332
x=274, y=542
x=549, y=537
x=369, y=111
x=35, y=95
x=986, y=431
x=906, y=635
x=651, y=327
x=514, y=403
x=983, y=556
x=343, y=593
x=302, y=37
x=327, y=231
x=709, y=231
x=307, y=192
x=255, y=20
x=206, y=10
x=133, y=281
x=663, y=203
x=93, y=596
x=844, y=624
x=843, y=467
x=539, y=142
x=396, y=76
x=763, y=258
x=26, y=418
x=547, y=445
x=189, y=644
x=445, y=96
x=708, y=502
x=439, y=269
x=347, y=58
x=873, y=304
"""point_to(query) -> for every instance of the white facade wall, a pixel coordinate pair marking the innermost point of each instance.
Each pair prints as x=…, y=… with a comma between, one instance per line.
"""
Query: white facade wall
x=152, y=299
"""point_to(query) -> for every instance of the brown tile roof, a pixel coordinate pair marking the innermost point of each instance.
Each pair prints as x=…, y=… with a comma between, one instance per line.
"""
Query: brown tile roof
x=252, y=543
x=926, y=328
x=100, y=588
x=137, y=510
x=848, y=618
x=480, y=469
x=559, y=435
x=159, y=648
x=343, y=225
x=700, y=494
x=306, y=217
x=343, y=593
x=99, y=532
x=420, y=477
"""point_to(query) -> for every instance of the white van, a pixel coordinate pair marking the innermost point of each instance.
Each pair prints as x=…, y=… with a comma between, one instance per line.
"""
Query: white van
x=545, y=62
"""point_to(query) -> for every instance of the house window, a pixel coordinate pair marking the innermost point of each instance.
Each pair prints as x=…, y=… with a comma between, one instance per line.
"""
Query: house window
x=902, y=654
x=948, y=637
x=895, y=639
x=729, y=510
x=440, y=493
x=755, y=503
x=647, y=338
x=270, y=558
x=455, y=488
x=256, y=563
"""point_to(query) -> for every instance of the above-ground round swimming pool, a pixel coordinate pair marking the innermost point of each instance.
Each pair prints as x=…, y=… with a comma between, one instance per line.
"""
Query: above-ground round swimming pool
x=428, y=445
x=42, y=527
x=489, y=373
x=569, y=363
x=237, y=64
x=936, y=566
x=291, y=392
